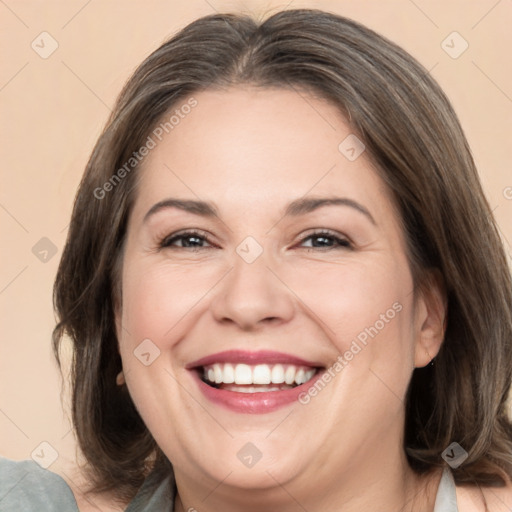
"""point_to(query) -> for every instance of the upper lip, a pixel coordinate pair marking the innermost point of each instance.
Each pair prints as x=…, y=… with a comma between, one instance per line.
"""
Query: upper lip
x=252, y=358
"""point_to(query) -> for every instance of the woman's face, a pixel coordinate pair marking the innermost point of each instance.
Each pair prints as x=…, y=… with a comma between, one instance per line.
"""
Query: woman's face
x=295, y=270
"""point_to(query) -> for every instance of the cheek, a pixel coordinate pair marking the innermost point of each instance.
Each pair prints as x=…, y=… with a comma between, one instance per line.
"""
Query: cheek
x=159, y=300
x=158, y=304
x=364, y=299
x=367, y=300
x=366, y=311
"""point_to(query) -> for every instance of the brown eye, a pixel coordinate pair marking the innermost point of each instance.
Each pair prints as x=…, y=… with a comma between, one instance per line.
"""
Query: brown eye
x=185, y=240
x=327, y=240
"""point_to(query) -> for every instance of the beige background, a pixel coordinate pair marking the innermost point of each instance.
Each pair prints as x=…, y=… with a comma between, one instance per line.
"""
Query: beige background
x=52, y=111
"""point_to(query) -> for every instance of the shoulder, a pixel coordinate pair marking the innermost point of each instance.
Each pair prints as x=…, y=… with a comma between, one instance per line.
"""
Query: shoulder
x=474, y=499
x=26, y=486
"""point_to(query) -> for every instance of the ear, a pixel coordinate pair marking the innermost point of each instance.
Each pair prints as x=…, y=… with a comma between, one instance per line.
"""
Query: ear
x=431, y=309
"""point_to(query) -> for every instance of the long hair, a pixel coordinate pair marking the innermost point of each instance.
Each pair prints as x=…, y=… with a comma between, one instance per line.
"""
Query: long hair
x=413, y=138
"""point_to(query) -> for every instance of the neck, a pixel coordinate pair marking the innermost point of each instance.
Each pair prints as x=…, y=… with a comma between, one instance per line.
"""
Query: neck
x=391, y=486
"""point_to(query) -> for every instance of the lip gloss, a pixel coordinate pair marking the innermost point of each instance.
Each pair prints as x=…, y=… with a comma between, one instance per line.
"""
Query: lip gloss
x=253, y=403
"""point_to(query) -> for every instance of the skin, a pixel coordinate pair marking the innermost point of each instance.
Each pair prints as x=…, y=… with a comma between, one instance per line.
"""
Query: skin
x=251, y=151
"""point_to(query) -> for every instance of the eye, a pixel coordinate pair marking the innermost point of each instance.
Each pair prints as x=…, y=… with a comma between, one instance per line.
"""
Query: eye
x=195, y=240
x=326, y=240
x=188, y=240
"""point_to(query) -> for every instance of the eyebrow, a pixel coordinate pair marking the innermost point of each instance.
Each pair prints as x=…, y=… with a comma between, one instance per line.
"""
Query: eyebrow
x=297, y=207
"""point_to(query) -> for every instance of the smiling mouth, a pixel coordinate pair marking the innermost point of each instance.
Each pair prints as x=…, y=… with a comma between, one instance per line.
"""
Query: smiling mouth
x=259, y=378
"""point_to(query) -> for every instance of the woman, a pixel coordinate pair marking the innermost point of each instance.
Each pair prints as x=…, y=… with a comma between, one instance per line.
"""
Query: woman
x=284, y=286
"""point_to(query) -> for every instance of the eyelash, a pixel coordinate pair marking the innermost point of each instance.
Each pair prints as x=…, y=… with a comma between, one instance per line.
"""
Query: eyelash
x=343, y=243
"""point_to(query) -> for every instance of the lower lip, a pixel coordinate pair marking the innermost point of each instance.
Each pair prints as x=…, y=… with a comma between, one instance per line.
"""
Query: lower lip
x=254, y=403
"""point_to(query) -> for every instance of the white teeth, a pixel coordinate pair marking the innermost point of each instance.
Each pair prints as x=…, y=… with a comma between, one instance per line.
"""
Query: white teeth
x=277, y=374
x=217, y=372
x=228, y=374
x=254, y=389
x=243, y=374
x=289, y=375
x=260, y=374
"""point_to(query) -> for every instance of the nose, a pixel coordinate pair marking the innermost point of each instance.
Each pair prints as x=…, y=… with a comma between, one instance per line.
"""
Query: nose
x=252, y=295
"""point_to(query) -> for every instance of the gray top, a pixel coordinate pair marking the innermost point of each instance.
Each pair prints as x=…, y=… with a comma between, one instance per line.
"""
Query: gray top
x=26, y=487
x=446, y=499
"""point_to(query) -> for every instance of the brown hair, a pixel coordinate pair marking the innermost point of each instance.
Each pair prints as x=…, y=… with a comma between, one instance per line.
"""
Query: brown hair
x=412, y=136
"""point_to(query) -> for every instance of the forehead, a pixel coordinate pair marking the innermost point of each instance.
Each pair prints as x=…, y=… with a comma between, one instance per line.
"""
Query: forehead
x=254, y=146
